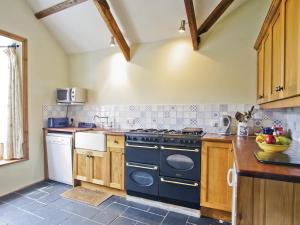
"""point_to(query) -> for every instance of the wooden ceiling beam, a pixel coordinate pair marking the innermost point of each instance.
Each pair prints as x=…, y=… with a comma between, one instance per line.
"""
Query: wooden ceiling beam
x=104, y=10
x=57, y=8
x=214, y=16
x=190, y=12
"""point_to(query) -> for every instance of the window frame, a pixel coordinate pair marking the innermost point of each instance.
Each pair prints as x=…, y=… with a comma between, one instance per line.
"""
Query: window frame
x=25, y=95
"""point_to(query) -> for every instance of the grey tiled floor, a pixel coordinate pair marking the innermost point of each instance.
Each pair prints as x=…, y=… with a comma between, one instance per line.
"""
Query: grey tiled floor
x=41, y=204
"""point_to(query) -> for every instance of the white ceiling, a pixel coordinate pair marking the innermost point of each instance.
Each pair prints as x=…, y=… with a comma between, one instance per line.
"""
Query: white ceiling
x=82, y=29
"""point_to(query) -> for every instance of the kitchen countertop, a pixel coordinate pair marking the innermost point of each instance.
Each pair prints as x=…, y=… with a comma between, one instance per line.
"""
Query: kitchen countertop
x=247, y=164
x=77, y=129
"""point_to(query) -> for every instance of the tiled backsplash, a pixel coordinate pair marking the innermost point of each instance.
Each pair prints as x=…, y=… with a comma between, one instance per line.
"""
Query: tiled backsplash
x=165, y=116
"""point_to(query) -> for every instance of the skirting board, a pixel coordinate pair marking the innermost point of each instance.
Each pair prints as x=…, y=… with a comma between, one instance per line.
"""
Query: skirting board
x=165, y=206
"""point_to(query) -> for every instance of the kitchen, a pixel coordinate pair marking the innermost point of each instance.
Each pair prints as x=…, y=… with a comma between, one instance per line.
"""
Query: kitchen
x=135, y=116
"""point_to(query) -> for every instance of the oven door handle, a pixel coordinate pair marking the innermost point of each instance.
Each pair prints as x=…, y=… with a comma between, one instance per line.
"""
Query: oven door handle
x=142, y=167
x=179, y=149
x=141, y=146
x=180, y=183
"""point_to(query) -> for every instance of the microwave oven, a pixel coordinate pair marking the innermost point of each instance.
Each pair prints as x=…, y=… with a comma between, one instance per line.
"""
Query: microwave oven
x=72, y=95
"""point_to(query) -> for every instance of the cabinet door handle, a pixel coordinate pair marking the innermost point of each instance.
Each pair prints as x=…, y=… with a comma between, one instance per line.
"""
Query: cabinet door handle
x=229, y=174
x=280, y=88
x=260, y=96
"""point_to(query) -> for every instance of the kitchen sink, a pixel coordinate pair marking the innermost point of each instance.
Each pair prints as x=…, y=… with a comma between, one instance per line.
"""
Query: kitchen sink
x=91, y=140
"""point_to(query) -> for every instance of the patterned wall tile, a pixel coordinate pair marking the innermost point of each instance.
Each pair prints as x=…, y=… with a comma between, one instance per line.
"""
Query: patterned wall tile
x=175, y=116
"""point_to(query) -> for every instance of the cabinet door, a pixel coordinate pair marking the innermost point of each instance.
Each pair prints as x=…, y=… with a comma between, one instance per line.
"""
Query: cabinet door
x=267, y=67
x=81, y=165
x=115, y=168
x=260, y=74
x=277, y=74
x=216, y=161
x=98, y=163
x=292, y=47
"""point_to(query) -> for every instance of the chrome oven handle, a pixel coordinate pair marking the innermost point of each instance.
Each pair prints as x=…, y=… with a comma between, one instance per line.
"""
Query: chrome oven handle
x=141, y=146
x=142, y=167
x=180, y=183
x=179, y=149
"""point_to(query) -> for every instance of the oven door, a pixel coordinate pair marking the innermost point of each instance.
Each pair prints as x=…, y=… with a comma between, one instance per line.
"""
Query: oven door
x=142, y=180
x=180, y=192
x=180, y=162
x=141, y=153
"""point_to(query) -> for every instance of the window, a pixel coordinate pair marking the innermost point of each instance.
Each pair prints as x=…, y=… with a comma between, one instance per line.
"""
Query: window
x=13, y=99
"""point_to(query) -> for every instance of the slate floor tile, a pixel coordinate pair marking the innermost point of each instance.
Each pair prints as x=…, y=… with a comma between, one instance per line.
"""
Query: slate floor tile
x=105, y=217
x=81, y=209
x=49, y=198
x=60, y=203
x=31, y=207
x=73, y=220
x=142, y=216
x=122, y=200
x=7, y=213
x=52, y=214
x=15, y=199
x=107, y=202
x=202, y=221
x=56, y=188
x=37, y=194
x=158, y=211
x=173, y=218
x=33, y=188
x=24, y=219
x=116, y=208
x=123, y=221
x=2, y=222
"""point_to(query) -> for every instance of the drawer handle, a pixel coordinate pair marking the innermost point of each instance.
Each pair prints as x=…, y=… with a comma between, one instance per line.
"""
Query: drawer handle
x=141, y=146
x=116, y=142
x=141, y=167
x=180, y=149
x=180, y=183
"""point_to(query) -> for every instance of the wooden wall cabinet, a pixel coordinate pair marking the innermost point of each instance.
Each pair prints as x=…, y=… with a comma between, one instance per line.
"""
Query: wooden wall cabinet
x=278, y=56
x=216, y=164
x=90, y=166
x=115, y=158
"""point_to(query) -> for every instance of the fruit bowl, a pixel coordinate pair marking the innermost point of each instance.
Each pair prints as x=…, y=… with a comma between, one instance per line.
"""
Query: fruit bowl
x=272, y=147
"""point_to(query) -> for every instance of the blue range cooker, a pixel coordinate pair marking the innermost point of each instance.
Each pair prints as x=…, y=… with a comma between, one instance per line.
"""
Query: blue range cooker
x=164, y=165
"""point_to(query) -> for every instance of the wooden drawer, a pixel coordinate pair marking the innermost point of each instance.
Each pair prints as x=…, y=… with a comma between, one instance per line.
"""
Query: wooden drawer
x=115, y=141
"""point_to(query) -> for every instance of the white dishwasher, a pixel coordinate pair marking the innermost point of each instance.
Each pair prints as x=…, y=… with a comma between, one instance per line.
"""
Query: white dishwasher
x=59, y=156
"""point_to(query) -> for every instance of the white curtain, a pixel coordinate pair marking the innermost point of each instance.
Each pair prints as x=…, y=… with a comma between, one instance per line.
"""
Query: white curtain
x=13, y=141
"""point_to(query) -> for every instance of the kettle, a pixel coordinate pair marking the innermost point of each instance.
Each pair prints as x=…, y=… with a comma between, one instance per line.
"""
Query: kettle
x=225, y=125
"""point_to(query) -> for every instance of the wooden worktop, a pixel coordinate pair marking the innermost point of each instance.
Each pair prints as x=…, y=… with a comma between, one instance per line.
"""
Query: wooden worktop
x=247, y=164
x=77, y=129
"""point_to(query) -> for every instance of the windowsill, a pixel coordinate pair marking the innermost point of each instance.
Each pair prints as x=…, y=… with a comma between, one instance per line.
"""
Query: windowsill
x=8, y=162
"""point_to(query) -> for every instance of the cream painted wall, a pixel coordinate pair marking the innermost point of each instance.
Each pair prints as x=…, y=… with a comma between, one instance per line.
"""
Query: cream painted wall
x=48, y=68
x=222, y=71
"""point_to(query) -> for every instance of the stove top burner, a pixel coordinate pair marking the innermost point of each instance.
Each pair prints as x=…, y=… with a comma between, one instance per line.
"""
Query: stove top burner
x=183, y=132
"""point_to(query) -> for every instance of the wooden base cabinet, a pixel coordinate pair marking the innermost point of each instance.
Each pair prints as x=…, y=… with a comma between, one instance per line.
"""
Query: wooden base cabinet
x=267, y=202
x=90, y=166
x=216, y=165
x=115, y=158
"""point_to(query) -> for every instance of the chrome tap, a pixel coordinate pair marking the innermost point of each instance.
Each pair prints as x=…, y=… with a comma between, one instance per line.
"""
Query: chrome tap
x=106, y=119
